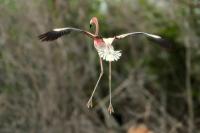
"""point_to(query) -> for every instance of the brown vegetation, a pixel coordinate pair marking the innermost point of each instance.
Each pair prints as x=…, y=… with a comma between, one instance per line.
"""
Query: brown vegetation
x=45, y=86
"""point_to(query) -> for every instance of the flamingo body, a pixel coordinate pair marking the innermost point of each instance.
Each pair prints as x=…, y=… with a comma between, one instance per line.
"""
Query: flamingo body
x=98, y=42
x=105, y=49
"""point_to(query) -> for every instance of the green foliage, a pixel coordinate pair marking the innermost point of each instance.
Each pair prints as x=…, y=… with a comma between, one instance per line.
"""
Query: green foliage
x=11, y=4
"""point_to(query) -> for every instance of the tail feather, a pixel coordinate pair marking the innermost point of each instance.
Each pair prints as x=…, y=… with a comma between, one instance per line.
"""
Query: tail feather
x=110, y=55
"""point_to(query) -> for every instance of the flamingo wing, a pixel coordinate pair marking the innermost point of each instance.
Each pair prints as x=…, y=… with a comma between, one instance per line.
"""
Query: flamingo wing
x=155, y=38
x=56, y=33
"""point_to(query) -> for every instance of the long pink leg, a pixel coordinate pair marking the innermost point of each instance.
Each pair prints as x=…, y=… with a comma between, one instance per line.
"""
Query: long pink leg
x=89, y=103
x=110, y=107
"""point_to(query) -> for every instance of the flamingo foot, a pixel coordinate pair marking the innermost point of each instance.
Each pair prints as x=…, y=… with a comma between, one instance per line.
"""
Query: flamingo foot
x=110, y=109
x=89, y=103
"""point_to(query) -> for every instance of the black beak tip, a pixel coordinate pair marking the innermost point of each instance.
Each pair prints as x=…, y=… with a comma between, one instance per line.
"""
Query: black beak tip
x=90, y=26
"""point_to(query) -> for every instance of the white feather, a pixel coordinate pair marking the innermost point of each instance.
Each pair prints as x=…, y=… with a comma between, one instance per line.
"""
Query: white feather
x=154, y=36
x=59, y=29
x=108, y=41
x=137, y=33
x=107, y=52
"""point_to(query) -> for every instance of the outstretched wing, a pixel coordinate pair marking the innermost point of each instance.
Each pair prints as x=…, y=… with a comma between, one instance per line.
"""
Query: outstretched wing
x=56, y=33
x=155, y=38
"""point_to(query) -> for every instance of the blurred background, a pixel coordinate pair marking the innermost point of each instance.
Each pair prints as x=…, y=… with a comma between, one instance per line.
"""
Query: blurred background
x=44, y=87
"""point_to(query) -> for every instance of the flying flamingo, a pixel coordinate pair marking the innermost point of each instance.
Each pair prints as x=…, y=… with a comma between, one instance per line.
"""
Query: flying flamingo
x=103, y=46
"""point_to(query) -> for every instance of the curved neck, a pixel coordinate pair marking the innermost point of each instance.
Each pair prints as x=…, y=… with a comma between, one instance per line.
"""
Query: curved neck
x=97, y=27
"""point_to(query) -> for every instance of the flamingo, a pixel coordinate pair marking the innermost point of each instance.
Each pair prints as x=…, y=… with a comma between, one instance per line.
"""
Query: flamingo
x=103, y=47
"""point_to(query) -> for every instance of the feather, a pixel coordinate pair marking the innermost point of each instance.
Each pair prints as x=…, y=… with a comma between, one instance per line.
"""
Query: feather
x=155, y=38
x=56, y=33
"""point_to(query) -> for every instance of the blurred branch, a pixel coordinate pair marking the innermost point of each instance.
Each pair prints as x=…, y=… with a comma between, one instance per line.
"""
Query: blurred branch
x=188, y=85
x=188, y=72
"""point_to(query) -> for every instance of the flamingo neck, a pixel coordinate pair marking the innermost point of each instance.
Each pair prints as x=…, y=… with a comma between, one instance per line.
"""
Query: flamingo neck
x=97, y=28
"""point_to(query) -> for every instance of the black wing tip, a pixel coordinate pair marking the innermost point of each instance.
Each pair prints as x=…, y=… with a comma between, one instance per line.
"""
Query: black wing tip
x=42, y=37
x=163, y=42
x=48, y=36
x=52, y=35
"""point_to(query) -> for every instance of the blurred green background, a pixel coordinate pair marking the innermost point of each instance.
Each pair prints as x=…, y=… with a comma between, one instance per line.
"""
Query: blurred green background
x=44, y=87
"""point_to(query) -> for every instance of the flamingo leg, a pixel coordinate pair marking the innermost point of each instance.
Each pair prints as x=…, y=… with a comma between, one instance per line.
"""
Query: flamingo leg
x=110, y=107
x=89, y=103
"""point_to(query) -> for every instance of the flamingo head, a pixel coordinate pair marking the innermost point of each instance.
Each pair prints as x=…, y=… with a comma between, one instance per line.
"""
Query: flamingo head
x=93, y=21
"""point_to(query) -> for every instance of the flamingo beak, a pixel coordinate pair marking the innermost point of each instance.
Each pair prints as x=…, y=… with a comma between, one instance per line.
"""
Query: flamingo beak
x=91, y=22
